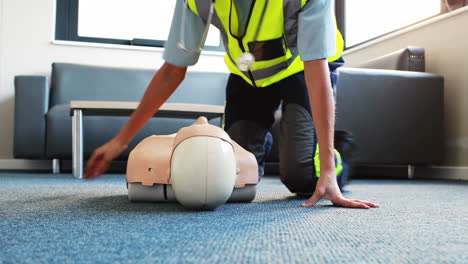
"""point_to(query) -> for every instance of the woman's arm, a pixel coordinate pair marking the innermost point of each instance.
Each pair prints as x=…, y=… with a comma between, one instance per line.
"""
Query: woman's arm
x=161, y=87
x=323, y=111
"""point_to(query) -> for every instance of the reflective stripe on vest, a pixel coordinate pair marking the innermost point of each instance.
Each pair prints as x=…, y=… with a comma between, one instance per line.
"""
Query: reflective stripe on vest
x=275, y=52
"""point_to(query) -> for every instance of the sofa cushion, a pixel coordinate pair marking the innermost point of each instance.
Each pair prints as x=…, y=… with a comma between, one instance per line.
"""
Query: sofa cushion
x=100, y=129
x=98, y=83
x=396, y=117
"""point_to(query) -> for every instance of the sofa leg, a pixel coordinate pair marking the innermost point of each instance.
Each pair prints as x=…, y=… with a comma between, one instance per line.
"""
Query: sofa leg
x=56, y=166
x=410, y=171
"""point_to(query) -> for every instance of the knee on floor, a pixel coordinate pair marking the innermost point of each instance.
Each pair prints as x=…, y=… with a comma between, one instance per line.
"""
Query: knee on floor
x=298, y=181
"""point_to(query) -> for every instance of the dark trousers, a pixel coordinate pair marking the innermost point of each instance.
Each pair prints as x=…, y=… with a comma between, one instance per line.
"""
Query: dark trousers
x=249, y=115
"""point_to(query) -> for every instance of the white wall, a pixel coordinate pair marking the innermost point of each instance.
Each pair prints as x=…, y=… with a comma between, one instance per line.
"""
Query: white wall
x=445, y=42
x=26, y=31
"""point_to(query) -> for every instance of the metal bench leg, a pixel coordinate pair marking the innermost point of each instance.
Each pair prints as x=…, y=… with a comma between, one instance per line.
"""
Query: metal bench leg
x=410, y=171
x=77, y=136
x=55, y=166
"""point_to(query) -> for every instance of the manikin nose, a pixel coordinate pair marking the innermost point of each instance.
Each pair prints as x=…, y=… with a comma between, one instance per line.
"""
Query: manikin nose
x=202, y=121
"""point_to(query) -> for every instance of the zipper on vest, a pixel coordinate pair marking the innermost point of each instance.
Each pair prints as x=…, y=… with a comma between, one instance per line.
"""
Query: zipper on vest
x=249, y=72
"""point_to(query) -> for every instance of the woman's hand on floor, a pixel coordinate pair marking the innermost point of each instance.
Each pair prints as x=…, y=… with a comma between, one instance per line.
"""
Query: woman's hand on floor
x=102, y=157
x=327, y=188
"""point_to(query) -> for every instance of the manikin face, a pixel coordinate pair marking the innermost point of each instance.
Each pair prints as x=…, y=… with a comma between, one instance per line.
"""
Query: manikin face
x=203, y=168
x=201, y=121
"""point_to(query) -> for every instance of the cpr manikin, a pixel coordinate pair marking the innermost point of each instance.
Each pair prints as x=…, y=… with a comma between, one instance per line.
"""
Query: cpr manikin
x=199, y=166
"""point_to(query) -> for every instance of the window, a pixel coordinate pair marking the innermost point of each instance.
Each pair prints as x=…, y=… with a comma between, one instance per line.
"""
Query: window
x=363, y=20
x=127, y=22
x=368, y=19
x=450, y=5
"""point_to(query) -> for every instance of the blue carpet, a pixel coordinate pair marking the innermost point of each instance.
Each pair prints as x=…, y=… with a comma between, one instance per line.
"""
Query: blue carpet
x=47, y=218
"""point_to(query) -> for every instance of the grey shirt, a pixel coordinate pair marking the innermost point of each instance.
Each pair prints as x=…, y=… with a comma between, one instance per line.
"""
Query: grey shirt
x=315, y=38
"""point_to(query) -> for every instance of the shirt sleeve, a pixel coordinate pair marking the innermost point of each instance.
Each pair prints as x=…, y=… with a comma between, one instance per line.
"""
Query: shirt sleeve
x=316, y=31
x=193, y=33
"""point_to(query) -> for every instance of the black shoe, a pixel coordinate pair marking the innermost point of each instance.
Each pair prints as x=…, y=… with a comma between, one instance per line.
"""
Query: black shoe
x=345, y=144
x=344, y=176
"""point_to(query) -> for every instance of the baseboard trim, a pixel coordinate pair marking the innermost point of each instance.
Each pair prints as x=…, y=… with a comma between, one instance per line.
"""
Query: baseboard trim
x=369, y=171
x=25, y=165
x=420, y=172
x=442, y=173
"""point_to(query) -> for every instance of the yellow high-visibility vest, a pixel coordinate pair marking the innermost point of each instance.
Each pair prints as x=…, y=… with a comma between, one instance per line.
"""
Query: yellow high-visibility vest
x=271, y=37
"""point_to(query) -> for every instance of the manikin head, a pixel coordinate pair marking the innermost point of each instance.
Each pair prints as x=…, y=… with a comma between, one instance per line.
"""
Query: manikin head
x=199, y=167
x=203, y=166
x=201, y=163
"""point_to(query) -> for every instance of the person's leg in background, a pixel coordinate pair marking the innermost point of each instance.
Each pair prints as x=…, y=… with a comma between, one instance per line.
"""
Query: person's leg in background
x=298, y=142
x=249, y=115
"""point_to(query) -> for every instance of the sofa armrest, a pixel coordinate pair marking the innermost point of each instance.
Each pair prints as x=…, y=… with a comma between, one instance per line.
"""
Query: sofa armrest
x=31, y=106
x=407, y=59
x=395, y=116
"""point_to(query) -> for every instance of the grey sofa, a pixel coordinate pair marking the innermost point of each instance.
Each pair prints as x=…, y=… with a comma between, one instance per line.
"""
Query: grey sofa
x=43, y=127
x=392, y=107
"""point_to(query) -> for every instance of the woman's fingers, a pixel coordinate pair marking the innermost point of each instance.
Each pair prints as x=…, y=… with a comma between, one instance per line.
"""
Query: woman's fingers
x=92, y=164
x=312, y=201
x=103, y=166
x=367, y=203
x=102, y=157
x=95, y=165
x=350, y=204
x=342, y=202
